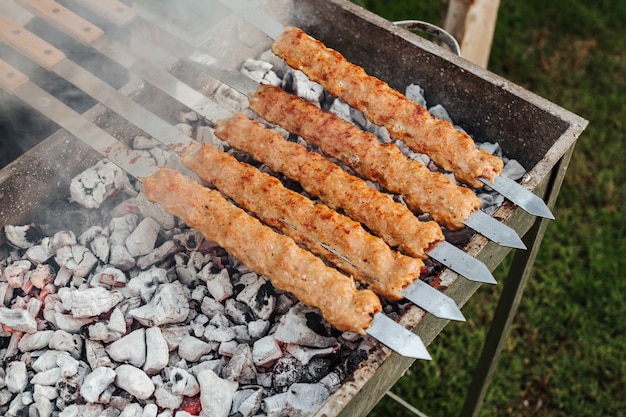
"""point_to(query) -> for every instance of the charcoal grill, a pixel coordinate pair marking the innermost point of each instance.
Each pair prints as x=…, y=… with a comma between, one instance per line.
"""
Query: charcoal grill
x=536, y=132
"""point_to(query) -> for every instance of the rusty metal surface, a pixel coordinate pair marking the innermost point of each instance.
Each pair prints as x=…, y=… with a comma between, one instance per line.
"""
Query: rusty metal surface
x=530, y=129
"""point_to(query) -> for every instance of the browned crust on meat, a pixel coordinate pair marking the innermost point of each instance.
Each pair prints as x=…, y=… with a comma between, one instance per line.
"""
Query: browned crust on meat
x=289, y=267
x=405, y=120
x=336, y=237
x=424, y=191
x=326, y=180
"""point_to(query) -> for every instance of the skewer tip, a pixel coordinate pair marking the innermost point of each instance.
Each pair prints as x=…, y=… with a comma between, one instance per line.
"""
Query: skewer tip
x=432, y=301
x=397, y=338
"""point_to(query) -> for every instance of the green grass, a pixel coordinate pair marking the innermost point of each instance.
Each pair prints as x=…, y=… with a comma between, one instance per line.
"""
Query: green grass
x=566, y=353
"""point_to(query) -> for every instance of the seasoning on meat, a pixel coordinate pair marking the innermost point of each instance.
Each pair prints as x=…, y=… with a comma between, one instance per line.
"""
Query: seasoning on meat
x=336, y=237
x=289, y=267
x=405, y=120
x=324, y=179
x=425, y=191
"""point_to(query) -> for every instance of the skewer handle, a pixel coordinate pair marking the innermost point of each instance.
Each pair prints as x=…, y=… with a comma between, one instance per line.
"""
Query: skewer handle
x=10, y=78
x=29, y=44
x=63, y=18
x=114, y=11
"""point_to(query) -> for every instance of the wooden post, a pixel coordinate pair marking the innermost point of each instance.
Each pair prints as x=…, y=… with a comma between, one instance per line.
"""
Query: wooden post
x=472, y=23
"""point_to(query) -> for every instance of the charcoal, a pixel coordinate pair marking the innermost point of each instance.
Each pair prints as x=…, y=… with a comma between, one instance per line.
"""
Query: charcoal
x=43, y=407
x=157, y=351
x=228, y=349
x=155, y=212
x=157, y=255
x=219, y=334
x=89, y=302
x=173, y=334
x=169, y=305
x=48, y=392
x=266, y=351
x=211, y=307
x=16, y=376
x=24, y=236
x=205, y=134
x=46, y=361
x=42, y=275
x=240, y=368
x=18, y=319
x=69, y=323
x=305, y=354
x=91, y=187
x=16, y=272
x=134, y=381
x=247, y=402
x=96, y=382
x=69, y=366
x=40, y=253
x=109, y=278
x=303, y=87
x=5, y=396
x=49, y=377
x=77, y=259
x=19, y=403
x=141, y=241
x=415, y=93
x=183, y=383
x=341, y=108
x=237, y=311
x=216, y=394
x=219, y=285
x=440, y=112
x=190, y=240
x=293, y=328
x=146, y=283
x=129, y=349
x=259, y=296
x=304, y=399
x=277, y=405
x=513, y=170
x=258, y=328
x=191, y=348
x=96, y=354
x=35, y=341
x=165, y=398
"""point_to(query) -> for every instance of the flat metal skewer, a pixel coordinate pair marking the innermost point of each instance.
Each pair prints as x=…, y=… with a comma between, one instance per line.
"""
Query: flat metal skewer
x=511, y=190
x=479, y=221
x=13, y=81
x=494, y=230
x=394, y=336
x=433, y=301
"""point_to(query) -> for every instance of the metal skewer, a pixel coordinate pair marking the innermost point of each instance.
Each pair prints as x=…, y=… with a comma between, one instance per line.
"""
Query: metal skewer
x=13, y=81
x=482, y=223
x=431, y=300
x=383, y=329
x=511, y=190
x=451, y=258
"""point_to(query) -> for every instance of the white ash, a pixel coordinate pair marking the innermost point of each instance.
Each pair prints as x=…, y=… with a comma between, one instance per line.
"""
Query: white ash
x=23, y=237
x=107, y=341
x=94, y=185
x=143, y=317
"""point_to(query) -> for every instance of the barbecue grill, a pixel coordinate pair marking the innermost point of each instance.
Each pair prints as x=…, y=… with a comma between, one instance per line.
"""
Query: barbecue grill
x=534, y=131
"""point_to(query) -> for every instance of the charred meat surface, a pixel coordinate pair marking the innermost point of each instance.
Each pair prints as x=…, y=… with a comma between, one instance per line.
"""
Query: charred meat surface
x=324, y=179
x=324, y=231
x=449, y=148
x=425, y=191
x=289, y=267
